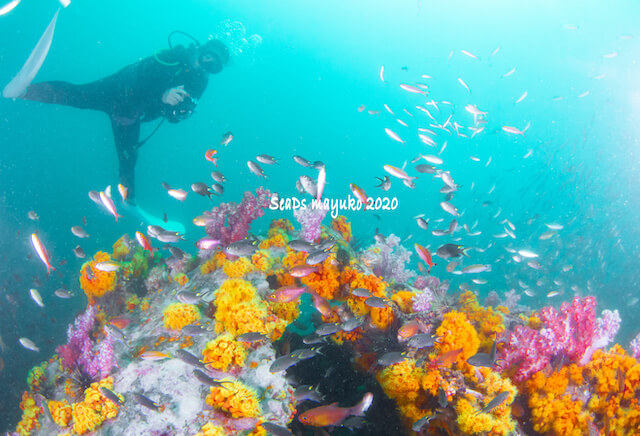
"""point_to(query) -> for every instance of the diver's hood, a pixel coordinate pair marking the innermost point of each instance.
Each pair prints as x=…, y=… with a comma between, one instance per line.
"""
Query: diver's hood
x=213, y=55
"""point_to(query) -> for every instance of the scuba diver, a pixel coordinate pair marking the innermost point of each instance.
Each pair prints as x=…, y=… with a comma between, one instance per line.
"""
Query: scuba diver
x=166, y=85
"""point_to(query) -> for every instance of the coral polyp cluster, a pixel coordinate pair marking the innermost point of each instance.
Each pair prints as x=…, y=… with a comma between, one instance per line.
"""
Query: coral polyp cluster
x=241, y=339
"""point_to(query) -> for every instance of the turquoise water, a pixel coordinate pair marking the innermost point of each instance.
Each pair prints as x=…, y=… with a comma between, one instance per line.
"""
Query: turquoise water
x=298, y=93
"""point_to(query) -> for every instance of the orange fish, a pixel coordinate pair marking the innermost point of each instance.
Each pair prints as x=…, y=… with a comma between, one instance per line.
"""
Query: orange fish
x=144, y=241
x=154, y=355
x=359, y=194
x=449, y=357
x=42, y=252
x=209, y=156
x=332, y=414
x=120, y=322
x=321, y=305
x=286, y=294
x=408, y=330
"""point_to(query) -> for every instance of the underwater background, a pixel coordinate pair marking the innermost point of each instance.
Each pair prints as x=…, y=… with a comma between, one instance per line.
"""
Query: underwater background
x=296, y=89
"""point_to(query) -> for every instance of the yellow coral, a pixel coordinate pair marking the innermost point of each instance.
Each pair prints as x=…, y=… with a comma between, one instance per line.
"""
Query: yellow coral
x=456, y=332
x=238, y=268
x=60, y=412
x=382, y=318
x=209, y=429
x=178, y=315
x=94, y=282
x=223, y=352
x=404, y=300
x=85, y=418
x=30, y=414
x=286, y=311
x=239, y=310
x=279, y=239
x=402, y=382
x=120, y=248
x=214, y=263
x=236, y=399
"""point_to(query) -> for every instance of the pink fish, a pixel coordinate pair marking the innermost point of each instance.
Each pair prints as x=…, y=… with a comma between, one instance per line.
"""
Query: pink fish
x=397, y=172
x=123, y=192
x=393, y=135
x=144, y=241
x=425, y=255
x=332, y=414
x=42, y=252
x=108, y=203
x=286, y=294
x=359, y=194
x=302, y=270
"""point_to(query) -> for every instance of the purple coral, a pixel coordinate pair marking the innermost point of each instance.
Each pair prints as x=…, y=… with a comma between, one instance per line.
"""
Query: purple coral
x=310, y=220
x=387, y=258
x=229, y=222
x=422, y=301
x=78, y=351
x=635, y=346
x=606, y=329
x=569, y=332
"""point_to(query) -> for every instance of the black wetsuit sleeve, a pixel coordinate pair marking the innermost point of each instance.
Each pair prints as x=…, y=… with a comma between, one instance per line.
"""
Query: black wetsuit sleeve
x=126, y=139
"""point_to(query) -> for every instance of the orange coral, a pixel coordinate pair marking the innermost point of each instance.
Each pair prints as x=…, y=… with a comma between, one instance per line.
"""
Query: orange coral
x=454, y=333
x=326, y=280
x=342, y=226
x=402, y=382
x=178, y=315
x=489, y=323
x=279, y=239
x=238, y=268
x=94, y=282
x=262, y=260
x=287, y=311
x=91, y=413
x=214, y=263
x=181, y=279
x=224, y=351
x=236, y=399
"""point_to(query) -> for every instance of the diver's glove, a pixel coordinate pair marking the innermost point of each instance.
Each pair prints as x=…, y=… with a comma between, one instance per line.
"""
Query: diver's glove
x=174, y=96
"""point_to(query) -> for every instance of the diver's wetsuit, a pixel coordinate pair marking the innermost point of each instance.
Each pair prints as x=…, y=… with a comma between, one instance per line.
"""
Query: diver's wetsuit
x=130, y=97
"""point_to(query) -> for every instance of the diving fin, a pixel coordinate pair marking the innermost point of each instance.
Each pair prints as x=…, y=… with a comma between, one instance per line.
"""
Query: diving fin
x=173, y=226
x=27, y=73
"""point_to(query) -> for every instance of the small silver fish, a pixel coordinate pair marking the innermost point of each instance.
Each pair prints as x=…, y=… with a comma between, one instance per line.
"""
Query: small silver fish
x=313, y=339
x=252, y=337
x=283, y=362
x=316, y=257
x=495, y=402
x=275, y=429
x=417, y=426
x=242, y=248
x=226, y=138
x=63, y=293
x=188, y=297
x=217, y=188
x=202, y=189
x=421, y=340
x=307, y=392
x=79, y=252
x=301, y=245
x=256, y=169
x=328, y=329
x=385, y=183
x=266, y=159
x=193, y=330
x=425, y=168
x=361, y=292
x=376, y=302
x=29, y=344
x=204, y=378
x=146, y=402
x=302, y=161
x=189, y=358
x=422, y=223
x=309, y=185
x=95, y=197
x=218, y=176
x=79, y=232
x=391, y=358
x=111, y=396
x=351, y=324
x=117, y=334
x=107, y=266
x=35, y=296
